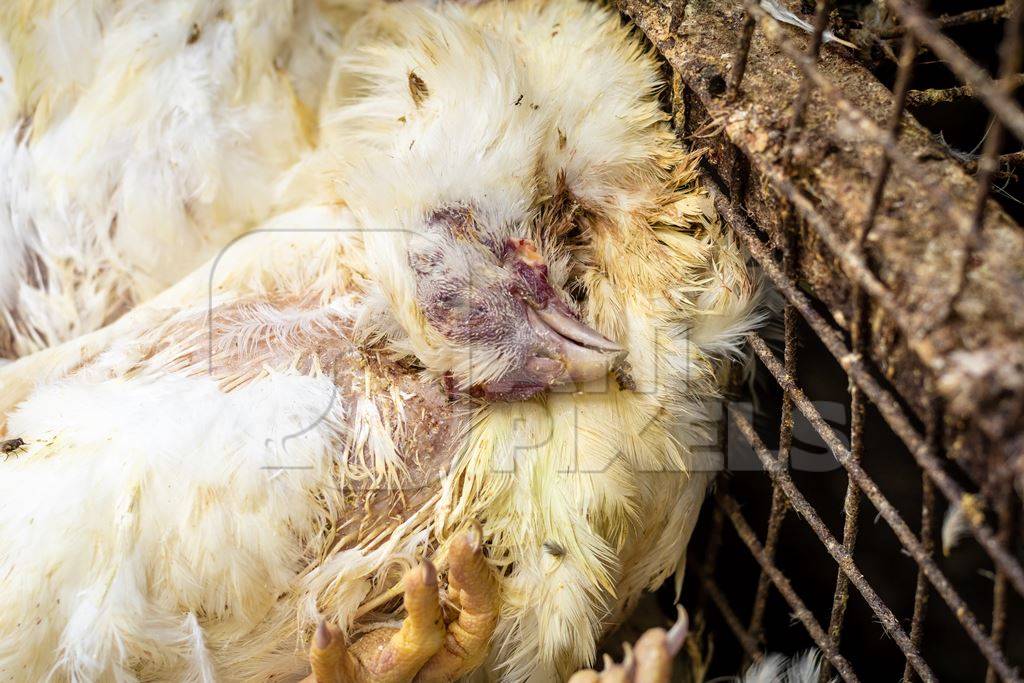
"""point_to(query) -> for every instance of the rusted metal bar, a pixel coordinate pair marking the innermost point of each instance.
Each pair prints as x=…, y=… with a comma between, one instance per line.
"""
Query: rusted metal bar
x=835, y=165
x=892, y=517
x=970, y=227
x=933, y=96
x=1011, y=55
x=739, y=63
x=851, y=262
x=743, y=637
x=1006, y=514
x=908, y=53
x=851, y=502
x=1011, y=159
x=771, y=540
x=785, y=588
x=934, y=439
x=847, y=253
x=821, y=11
x=781, y=477
x=994, y=97
x=921, y=589
x=974, y=16
x=869, y=128
x=859, y=332
x=888, y=406
x=779, y=505
x=844, y=217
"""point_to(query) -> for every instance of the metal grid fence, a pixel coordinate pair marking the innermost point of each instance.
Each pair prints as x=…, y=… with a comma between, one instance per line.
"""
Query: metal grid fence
x=923, y=438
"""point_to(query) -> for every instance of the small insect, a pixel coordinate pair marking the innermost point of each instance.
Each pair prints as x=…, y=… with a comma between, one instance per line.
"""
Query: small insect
x=554, y=549
x=11, y=445
x=624, y=376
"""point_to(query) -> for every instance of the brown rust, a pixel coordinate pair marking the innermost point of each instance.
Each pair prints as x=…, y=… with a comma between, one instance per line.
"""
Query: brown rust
x=842, y=555
x=988, y=90
x=921, y=590
x=933, y=96
x=975, y=16
x=885, y=508
x=923, y=451
x=731, y=507
x=976, y=357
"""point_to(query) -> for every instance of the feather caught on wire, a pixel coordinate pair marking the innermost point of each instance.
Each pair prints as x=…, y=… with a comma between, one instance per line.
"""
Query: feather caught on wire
x=786, y=16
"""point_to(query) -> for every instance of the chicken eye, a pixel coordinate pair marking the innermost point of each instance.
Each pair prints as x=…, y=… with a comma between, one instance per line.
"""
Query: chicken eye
x=455, y=302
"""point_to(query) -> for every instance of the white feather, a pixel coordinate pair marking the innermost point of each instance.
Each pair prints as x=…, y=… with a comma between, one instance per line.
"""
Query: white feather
x=768, y=670
x=780, y=13
x=201, y=668
x=147, y=136
x=955, y=527
x=775, y=668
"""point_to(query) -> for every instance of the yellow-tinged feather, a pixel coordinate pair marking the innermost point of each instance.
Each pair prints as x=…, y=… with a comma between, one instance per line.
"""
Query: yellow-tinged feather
x=586, y=498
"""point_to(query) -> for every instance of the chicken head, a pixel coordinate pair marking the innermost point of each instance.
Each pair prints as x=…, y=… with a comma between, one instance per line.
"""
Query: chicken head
x=494, y=299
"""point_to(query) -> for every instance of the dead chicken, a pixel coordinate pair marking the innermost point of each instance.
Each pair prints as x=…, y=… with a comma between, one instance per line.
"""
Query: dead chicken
x=497, y=297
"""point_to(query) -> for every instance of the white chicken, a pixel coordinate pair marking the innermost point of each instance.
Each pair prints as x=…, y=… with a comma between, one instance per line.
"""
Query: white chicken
x=136, y=138
x=421, y=342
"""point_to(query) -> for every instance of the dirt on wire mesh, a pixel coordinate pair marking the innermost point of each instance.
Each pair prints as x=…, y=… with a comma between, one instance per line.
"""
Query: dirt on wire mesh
x=973, y=354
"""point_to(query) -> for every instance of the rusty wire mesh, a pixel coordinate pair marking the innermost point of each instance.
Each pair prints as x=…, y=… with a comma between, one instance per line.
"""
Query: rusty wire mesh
x=921, y=422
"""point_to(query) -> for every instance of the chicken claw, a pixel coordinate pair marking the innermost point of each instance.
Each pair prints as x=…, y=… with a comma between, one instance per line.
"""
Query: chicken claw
x=649, y=662
x=386, y=655
x=424, y=649
x=472, y=587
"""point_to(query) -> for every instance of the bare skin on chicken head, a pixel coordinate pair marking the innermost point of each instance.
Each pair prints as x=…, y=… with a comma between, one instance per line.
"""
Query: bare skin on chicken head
x=496, y=300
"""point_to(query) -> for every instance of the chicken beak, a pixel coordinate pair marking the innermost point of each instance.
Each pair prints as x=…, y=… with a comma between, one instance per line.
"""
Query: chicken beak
x=572, y=329
x=585, y=354
x=560, y=349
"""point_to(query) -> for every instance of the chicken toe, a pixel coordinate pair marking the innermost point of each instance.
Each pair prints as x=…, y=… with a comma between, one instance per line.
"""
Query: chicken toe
x=649, y=662
x=385, y=655
x=473, y=588
x=424, y=649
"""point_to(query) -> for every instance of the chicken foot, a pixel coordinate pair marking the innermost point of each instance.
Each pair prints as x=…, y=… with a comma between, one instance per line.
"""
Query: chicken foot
x=425, y=649
x=650, y=661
